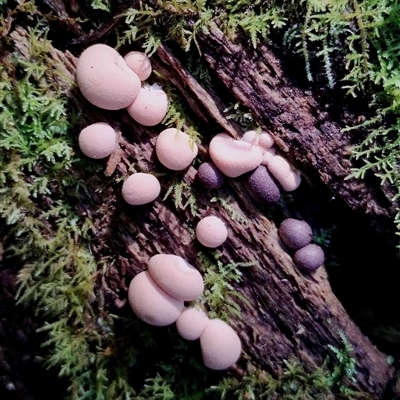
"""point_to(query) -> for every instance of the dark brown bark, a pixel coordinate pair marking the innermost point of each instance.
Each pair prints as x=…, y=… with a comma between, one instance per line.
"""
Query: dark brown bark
x=23, y=375
x=303, y=128
x=287, y=314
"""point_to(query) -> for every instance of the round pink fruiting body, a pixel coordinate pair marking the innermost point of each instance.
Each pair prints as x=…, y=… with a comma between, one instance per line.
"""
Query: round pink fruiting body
x=104, y=78
x=98, y=140
x=262, y=187
x=211, y=231
x=210, y=176
x=251, y=137
x=292, y=182
x=261, y=139
x=234, y=157
x=175, y=150
x=176, y=276
x=309, y=258
x=140, y=188
x=295, y=233
x=150, y=303
x=139, y=63
x=150, y=106
x=267, y=155
x=191, y=323
x=220, y=345
x=265, y=141
x=280, y=169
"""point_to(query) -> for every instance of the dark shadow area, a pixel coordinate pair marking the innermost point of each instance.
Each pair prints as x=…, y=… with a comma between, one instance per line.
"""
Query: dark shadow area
x=23, y=376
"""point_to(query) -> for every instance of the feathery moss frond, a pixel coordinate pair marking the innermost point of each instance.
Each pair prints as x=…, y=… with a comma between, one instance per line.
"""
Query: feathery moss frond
x=183, y=196
x=220, y=297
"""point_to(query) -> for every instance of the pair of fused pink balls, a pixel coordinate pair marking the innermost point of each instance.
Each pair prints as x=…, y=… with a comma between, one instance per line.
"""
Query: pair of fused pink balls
x=220, y=345
x=157, y=297
x=112, y=82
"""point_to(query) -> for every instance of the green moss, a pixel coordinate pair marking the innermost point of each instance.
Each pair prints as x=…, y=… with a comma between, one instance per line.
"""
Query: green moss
x=183, y=196
x=330, y=380
x=226, y=203
x=181, y=21
x=243, y=117
x=178, y=114
x=103, y=5
x=219, y=296
x=185, y=378
x=199, y=69
x=44, y=234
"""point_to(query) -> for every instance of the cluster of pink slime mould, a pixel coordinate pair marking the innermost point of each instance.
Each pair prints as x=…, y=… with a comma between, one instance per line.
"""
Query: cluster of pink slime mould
x=158, y=294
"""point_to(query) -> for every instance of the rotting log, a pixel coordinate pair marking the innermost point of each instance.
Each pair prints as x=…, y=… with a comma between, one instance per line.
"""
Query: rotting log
x=287, y=314
x=304, y=130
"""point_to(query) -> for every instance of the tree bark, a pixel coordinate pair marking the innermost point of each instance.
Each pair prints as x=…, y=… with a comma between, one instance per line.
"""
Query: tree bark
x=307, y=132
x=287, y=314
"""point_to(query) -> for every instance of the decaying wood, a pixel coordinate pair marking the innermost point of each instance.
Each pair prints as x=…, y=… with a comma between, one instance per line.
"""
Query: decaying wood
x=287, y=314
x=302, y=128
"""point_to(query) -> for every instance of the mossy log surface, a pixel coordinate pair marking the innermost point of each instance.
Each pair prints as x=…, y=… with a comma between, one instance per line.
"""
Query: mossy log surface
x=286, y=314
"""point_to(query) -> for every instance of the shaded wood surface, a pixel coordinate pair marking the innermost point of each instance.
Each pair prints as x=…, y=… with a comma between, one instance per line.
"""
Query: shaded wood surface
x=305, y=130
x=287, y=314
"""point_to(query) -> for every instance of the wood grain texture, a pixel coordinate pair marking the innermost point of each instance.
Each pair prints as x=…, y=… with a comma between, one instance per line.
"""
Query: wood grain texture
x=303, y=128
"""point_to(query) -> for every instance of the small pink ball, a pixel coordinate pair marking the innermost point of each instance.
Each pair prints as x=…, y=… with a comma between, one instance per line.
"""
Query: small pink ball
x=139, y=63
x=191, y=323
x=98, y=140
x=150, y=303
x=150, y=106
x=220, y=345
x=175, y=150
x=140, y=188
x=211, y=231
